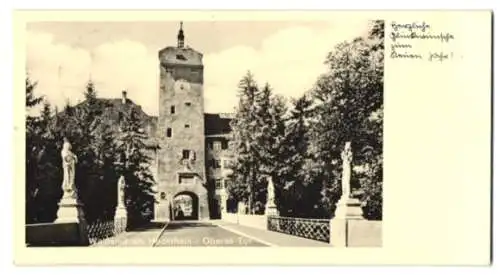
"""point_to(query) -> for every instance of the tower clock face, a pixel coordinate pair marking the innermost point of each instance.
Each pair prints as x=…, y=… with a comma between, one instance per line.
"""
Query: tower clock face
x=181, y=85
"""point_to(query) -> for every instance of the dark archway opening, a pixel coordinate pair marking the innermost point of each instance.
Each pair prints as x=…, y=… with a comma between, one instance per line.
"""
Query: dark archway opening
x=185, y=207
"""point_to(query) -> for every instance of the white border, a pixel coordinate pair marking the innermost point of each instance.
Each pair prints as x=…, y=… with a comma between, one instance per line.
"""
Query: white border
x=6, y=110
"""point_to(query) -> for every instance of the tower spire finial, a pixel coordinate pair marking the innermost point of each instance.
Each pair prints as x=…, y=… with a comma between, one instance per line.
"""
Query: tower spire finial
x=180, y=37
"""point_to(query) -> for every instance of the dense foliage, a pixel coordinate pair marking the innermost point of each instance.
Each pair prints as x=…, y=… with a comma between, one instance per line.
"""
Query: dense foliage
x=98, y=149
x=135, y=161
x=301, y=148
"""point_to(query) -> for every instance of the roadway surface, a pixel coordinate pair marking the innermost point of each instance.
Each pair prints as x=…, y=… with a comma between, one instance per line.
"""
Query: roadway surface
x=188, y=233
x=203, y=234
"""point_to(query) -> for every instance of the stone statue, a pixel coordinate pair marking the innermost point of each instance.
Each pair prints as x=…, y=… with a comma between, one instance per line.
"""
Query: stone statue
x=121, y=191
x=270, y=190
x=346, y=170
x=271, y=209
x=241, y=207
x=69, y=161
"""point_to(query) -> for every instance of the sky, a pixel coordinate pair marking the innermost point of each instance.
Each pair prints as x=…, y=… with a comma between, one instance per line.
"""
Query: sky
x=63, y=56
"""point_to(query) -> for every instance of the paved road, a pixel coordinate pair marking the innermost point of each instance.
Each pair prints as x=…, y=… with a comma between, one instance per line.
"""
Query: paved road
x=211, y=233
x=202, y=234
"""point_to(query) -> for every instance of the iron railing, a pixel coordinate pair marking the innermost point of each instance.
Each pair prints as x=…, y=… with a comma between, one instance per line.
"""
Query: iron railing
x=101, y=230
x=314, y=229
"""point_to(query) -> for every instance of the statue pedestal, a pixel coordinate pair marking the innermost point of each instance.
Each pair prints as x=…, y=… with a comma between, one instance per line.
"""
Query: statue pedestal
x=70, y=211
x=120, y=218
x=271, y=209
x=348, y=209
x=121, y=212
x=162, y=211
x=71, y=216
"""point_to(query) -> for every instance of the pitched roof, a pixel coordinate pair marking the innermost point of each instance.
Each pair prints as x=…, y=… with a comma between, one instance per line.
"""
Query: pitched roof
x=216, y=124
x=111, y=113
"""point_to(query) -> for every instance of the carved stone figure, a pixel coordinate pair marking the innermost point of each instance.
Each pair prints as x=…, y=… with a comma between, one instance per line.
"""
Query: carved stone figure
x=271, y=209
x=270, y=190
x=346, y=170
x=121, y=191
x=69, y=161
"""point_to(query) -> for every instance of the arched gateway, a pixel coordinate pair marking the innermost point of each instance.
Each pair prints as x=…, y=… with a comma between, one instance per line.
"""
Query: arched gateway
x=182, y=202
x=185, y=207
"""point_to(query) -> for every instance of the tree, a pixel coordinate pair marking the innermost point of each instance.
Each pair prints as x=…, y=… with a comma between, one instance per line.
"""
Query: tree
x=270, y=113
x=135, y=157
x=348, y=96
x=91, y=138
x=244, y=143
x=100, y=189
x=31, y=99
x=43, y=175
x=49, y=168
x=258, y=129
x=33, y=138
x=291, y=157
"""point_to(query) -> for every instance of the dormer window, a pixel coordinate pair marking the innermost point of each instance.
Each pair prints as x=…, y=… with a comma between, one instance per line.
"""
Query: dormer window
x=180, y=57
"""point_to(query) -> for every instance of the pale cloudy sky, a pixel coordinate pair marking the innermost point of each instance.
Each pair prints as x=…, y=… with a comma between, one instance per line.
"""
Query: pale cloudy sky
x=124, y=55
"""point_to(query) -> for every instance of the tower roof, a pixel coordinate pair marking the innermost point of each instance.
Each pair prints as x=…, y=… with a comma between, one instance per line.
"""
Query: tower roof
x=180, y=55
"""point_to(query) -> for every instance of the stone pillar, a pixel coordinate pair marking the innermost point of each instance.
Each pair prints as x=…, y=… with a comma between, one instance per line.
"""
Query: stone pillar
x=121, y=210
x=271, y=209
x=203, y=211
x=348, y=208
x=163, y=211
x=242, y=208
x=223, y=202
x=70, y=213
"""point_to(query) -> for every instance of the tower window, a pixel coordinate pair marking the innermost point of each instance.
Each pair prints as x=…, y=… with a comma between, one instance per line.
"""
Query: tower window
x=180, y=57
x=188, y=104
x=216, y=145
x=219, y=184
x=224, y=144
x=216, y=163
x=227, y=163
x=187, y=126
x=185, y=154
x=172, y=109
x=169, y=132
